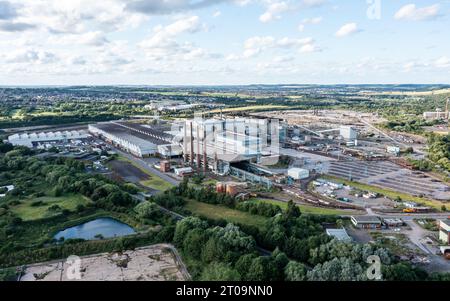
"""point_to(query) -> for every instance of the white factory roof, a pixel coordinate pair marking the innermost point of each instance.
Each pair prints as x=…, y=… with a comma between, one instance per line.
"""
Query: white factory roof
x=339, y=234
x=48, y=135
x=144, y=145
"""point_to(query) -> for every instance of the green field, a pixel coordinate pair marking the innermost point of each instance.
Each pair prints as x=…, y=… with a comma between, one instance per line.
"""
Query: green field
x=27, y=212
x=157, y=184
x=388, y=193
x=309, y=209
x=217, y=212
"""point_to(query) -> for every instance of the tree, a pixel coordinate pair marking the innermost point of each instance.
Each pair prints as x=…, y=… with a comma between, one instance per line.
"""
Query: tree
x=184, y=226
x=147, y=210
x=212, y=251
x=262, y=269
x=234, y=239
x=280, y=259
x=131, y=188
x=243, y=265
x=194, y=242
x=219, y=272
x=401, y=272
x=292, y=211
x=295, y=271
x=338, y=269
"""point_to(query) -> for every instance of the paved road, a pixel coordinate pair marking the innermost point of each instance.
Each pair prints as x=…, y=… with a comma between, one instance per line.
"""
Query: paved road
x=147, y=167
x=410, y=217
x=416, y=235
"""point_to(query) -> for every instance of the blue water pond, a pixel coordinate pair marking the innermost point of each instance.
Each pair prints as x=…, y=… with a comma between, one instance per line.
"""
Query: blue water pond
x=101, y=227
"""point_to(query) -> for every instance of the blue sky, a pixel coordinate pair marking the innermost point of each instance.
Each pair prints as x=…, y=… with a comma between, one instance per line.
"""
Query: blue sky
x=186, y=42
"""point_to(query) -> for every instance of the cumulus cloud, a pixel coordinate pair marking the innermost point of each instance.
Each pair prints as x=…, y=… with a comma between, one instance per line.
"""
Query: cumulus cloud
x=309, y=21
x=15, y=26
x=276, y=8
x=442, y=62
x=347, y=30
x=274, y=11
x=7, y=11
x=163, y=44
x=164, y=7
x=413, y=13
x=31, y=56
x=255, y=45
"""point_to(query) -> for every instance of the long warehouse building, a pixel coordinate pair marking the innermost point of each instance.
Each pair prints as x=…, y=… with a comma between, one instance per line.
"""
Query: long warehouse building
x=136, y=139
x=34, y=139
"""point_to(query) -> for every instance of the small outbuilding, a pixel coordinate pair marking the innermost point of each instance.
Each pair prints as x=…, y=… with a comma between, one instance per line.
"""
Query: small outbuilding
x=298, y=173
x=366, y=222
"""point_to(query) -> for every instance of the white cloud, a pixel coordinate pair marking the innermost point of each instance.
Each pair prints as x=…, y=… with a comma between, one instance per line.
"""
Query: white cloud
x=274, y=11
x=442, y=62
x=163, y=43
x=30, y=56
x=217, y=14
x=255, y=45
x=309, y=21
x=313, y=21
x=413, y=13
x=347, y=29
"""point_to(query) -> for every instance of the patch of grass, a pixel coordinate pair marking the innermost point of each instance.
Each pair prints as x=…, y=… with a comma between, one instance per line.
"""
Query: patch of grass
x=38, y=208
x=308, y=209
x=397, y=243
x=427, y=224
x=388, y=193
x=217, y=212
x=157, y=184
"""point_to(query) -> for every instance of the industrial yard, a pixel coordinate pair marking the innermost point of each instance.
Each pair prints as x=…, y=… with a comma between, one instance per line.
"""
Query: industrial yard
x=391, y=176
x=329, y=163
x=154, y=263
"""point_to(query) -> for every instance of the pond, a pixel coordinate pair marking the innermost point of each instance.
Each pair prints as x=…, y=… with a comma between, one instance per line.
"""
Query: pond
x=101, y=227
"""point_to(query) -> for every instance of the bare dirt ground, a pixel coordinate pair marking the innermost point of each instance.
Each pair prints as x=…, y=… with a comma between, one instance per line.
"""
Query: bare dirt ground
x=153, y=263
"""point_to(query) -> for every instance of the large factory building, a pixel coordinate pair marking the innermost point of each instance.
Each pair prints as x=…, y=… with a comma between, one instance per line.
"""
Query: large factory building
x=137, y=139
x=214, y=144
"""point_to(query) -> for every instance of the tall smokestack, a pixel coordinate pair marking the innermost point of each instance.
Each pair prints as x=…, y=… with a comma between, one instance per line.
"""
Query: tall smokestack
x=185, y=143
x=191, y=140
x=205, y=157
x=198, y=148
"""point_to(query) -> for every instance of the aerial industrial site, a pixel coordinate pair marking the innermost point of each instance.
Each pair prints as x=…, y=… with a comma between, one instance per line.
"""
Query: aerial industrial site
x=224, y=148
x=361, y=179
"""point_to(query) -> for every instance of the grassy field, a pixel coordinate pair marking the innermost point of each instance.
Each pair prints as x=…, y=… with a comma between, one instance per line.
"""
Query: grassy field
x=156, y=184
x=389, y=193
x=27, y=212
x=308, y=209
x=220, y=212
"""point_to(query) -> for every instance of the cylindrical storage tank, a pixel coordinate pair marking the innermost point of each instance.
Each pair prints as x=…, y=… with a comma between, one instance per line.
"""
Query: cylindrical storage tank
x=220, y=188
